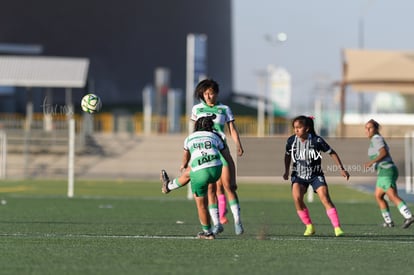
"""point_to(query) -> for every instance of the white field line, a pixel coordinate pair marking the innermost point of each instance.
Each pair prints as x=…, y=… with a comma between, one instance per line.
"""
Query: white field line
x=50, y=235
x=341, y=239
x=308, y=239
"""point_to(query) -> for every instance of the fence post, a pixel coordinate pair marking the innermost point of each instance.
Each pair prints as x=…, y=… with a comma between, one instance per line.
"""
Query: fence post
x=3, y=152
x=409, y=164
x=71, y=157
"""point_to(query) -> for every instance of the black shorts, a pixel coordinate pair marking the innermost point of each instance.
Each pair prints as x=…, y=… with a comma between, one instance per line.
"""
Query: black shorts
x=315, y=182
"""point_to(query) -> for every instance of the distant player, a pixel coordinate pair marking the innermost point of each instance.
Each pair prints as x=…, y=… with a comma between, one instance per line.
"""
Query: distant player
x=380, y=158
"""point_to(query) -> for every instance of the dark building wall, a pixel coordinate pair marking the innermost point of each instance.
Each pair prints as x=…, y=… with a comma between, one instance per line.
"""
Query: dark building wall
x=125, y=40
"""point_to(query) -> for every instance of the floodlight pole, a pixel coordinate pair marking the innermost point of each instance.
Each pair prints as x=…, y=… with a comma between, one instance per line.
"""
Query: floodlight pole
x=280, y=38
x=196, y=70
x=261, y=103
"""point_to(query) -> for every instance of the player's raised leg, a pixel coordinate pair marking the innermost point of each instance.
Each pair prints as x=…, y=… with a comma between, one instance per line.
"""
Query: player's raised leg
x=169, y=185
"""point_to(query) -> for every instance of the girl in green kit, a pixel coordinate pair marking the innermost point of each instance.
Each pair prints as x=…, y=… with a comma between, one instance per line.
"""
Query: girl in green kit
x=387, y=174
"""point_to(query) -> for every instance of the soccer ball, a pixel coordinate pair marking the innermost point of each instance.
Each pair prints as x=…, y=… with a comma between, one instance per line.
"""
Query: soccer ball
x=91, y=103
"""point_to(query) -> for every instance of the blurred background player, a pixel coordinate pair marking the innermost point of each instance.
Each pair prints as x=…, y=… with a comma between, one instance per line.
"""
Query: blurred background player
x=203, y=151
x=387, y=174
x=304, y=149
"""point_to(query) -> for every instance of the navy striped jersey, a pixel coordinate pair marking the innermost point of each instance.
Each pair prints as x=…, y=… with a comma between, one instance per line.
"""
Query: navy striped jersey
x=306, y=155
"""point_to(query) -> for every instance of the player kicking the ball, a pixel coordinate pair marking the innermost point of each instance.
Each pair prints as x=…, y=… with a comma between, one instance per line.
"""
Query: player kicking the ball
x=207, y=92
x=202, y=151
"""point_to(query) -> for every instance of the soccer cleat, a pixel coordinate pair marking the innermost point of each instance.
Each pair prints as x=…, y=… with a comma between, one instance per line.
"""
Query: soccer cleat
x=238, y=228
x=206, y=235
x=388, y=224
x=165, y=180
x=309, y=230
x=408, y=222
x=339, y=232
x=217, y=229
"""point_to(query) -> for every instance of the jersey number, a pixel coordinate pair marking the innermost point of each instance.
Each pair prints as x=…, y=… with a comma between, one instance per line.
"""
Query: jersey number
x=203, y=145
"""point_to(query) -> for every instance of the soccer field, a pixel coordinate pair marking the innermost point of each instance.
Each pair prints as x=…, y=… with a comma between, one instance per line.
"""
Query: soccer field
x=129, y=227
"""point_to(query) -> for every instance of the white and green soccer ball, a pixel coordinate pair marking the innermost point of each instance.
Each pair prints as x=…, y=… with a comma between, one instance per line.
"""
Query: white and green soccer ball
x=91, y=103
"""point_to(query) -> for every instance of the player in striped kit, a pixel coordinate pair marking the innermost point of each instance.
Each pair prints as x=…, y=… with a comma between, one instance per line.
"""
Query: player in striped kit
x=304, y=149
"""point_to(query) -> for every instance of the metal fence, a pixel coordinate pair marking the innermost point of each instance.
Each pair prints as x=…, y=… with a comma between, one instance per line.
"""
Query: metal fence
x=247, y=125
x=131, y=123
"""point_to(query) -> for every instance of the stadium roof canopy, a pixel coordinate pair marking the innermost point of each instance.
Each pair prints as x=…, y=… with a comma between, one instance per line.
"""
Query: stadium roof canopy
x=41, y=71
x=376, y=71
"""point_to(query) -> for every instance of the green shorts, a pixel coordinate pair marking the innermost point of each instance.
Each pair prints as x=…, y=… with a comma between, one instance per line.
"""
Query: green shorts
x=202, y=178
x=387, y=177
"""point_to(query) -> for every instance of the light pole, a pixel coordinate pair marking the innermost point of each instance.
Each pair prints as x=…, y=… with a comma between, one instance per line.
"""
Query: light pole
x=261, y=103
x=276, y=40
x=361, y=44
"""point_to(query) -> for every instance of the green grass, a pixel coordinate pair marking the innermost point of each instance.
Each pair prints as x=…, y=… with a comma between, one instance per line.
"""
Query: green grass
x=129, y=227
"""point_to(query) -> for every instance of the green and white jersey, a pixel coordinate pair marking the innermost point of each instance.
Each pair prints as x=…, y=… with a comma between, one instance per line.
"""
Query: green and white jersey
x=223, y=115
x=204, y=148
x=376, y=143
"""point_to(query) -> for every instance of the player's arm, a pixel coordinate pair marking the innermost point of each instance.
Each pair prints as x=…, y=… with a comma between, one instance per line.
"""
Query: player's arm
x=225, y=152
x=288, y=156
x=382, y=153
x=338, y=162
x=288, y=159
x=186, y=159
x=234, y=133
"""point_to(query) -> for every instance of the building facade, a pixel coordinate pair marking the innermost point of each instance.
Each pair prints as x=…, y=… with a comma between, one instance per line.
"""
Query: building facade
x=125, y=41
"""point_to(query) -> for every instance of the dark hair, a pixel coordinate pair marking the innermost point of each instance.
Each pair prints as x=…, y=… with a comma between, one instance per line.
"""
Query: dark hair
x=306, y=121
x=375, y=124
x=203, y=86
x=205, y=123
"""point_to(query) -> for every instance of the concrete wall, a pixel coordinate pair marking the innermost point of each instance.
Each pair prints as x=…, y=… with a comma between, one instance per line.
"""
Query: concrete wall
x=142, y=157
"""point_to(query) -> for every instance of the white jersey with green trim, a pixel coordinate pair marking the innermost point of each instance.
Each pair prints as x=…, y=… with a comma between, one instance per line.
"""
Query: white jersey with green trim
x=204, y=148
x=376, y=143
x=223, y=115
